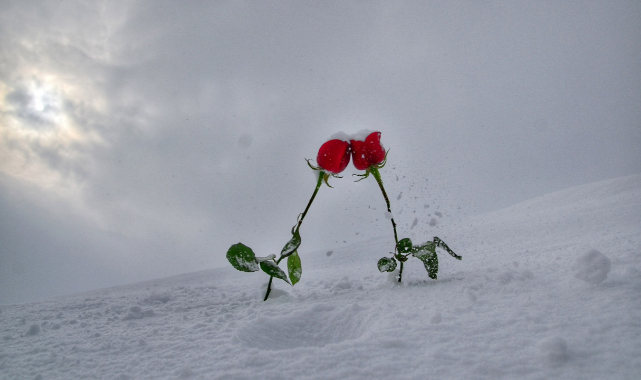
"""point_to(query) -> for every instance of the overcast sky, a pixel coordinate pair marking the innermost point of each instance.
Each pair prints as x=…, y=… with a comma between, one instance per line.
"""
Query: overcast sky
x=140, y=139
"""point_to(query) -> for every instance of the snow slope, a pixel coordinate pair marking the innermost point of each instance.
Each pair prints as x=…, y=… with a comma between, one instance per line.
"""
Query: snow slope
x=548, y=288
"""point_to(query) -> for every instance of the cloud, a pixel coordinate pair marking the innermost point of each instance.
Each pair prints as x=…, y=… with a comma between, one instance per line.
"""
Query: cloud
x=172, y=130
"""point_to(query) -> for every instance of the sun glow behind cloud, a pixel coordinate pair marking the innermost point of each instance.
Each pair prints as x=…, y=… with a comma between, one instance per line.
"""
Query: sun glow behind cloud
x=40, y=135
x=53, y=104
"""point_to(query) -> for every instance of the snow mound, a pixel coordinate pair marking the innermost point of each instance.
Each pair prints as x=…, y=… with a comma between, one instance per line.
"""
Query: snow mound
x=592, y=267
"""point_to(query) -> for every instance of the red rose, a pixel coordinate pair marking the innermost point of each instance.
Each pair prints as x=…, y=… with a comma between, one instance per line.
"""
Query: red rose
x=333, y=156
x=369, y=152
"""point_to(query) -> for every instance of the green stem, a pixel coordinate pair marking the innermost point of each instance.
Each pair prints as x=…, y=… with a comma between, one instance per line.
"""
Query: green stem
x=269, y=288
x=271, y=278
x=379, y=180
x=321, y=175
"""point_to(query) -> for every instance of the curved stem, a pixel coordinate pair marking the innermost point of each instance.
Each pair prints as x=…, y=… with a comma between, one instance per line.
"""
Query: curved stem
x=379, y=180
x=321, y=175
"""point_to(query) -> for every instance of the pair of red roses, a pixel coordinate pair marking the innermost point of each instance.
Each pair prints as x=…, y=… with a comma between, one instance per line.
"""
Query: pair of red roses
x=334, y=155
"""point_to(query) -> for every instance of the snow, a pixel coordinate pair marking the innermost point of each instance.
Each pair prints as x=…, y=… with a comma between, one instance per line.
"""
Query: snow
x=245, y=141
x=593, y=267
x=340, y=135
x=548, y=288
x=554, y=349
x=347, y=137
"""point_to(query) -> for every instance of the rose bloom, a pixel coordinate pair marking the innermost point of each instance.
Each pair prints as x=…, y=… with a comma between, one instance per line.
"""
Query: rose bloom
x=333, y=156
x=369, y=152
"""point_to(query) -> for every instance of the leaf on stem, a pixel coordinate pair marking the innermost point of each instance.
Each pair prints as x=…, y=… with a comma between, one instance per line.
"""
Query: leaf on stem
x=272, y=269
x=386, y=264
x=294, y=267
x=427, y=254
x=442, y=244
x=404, y=245
x=423, y=252
x=242, y=258
x=431, y=265
x=292, y=245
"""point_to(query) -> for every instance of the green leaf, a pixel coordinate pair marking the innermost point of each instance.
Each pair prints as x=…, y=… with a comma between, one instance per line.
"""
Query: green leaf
x=405, y=245
x=242, y=258
x=272, y=269
x=431, y=265
x=423, y=252
x=442, y=244
x=292, y=245
x=294, y=268
x=386, y=264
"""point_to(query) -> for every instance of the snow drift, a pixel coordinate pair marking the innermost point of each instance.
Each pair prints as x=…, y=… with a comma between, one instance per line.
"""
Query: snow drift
x=547, y=288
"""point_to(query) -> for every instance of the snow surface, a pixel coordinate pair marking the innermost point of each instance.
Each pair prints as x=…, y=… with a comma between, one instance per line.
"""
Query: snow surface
x=347, y=137
x=530, y=300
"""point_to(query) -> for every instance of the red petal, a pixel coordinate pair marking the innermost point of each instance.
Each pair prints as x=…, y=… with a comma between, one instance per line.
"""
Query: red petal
x=333, y=156
x=375, y=152
x=358, y=155
x=369, y=152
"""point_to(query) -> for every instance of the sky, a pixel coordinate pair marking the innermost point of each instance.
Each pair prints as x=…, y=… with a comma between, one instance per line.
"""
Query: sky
x=140, y=139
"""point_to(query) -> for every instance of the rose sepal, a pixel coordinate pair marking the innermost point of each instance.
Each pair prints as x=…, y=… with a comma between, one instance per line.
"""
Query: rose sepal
x=371, y=168
x=325, y=174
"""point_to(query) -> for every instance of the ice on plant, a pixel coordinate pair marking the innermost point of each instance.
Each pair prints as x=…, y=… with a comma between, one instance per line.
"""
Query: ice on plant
x=248, y=264
x=388, y=215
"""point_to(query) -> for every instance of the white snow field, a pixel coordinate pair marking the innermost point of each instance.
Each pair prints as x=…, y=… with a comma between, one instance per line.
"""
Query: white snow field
x=549, y=288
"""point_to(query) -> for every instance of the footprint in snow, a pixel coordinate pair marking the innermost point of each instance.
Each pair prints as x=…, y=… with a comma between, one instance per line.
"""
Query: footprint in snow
x=316, y=326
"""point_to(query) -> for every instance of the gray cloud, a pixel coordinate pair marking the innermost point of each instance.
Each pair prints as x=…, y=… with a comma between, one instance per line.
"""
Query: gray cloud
x=186, y=124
